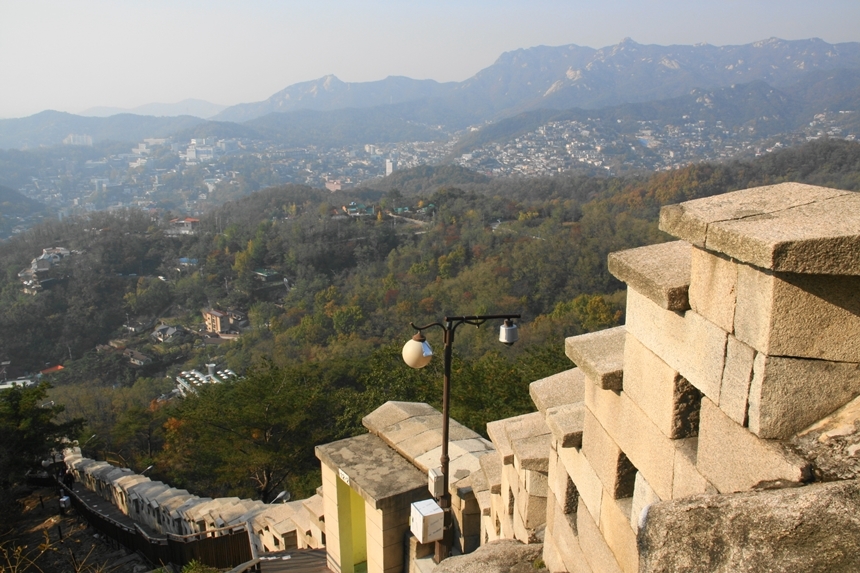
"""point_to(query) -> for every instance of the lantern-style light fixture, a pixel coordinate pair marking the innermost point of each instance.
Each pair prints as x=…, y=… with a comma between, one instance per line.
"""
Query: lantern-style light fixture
x=417, y=354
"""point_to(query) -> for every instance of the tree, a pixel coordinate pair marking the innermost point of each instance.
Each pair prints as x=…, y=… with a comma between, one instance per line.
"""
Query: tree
x=253, y=434
x=29, y=431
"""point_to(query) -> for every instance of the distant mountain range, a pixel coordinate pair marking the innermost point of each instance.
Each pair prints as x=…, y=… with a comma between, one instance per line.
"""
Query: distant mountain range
x=194, y=107
x=51, y=127
x=757, y=105
x=573, y=76
x=777, y=78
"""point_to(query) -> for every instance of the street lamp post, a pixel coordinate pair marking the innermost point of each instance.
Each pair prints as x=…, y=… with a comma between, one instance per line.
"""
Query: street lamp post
x=417, y=354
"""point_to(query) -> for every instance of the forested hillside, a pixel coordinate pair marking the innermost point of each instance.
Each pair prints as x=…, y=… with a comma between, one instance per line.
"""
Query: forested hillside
x=323, y=351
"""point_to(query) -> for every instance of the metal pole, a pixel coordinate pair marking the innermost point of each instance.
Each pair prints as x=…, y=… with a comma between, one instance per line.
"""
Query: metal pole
x=443, y=546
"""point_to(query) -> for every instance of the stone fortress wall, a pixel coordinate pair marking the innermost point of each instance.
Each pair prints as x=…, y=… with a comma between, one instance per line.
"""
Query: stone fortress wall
x=740, y=340
x=717, y=430
x=166, y=510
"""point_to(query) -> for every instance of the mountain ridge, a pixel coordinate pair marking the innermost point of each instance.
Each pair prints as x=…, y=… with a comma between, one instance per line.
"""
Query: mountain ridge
x=191, y=106
x=563, y=77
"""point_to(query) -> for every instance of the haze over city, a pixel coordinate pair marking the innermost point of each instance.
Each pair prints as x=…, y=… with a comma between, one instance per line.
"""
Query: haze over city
x=75, y=56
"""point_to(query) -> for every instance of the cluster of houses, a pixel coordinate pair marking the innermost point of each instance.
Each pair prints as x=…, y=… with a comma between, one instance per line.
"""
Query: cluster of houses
x=226, y=324
x=219, y=325
x=35, y=277
x=189, y=381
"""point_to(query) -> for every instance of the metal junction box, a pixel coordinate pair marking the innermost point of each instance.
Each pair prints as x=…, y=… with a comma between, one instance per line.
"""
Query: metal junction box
x=427, y=521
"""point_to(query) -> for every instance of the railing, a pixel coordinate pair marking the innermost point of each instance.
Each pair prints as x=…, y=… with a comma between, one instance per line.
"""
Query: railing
x=219, y=548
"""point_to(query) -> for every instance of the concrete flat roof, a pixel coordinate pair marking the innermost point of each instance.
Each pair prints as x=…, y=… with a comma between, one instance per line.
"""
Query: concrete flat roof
x=379, y=474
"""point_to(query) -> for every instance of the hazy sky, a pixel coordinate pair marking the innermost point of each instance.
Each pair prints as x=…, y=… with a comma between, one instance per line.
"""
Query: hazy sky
x=70, y=55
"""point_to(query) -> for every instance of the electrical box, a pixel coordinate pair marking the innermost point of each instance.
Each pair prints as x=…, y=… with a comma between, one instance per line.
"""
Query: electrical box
x=434, y=482
x=427, y=521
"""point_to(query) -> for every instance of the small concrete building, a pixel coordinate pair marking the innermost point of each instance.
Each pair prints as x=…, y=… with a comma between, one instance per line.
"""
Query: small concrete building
x=370, y=482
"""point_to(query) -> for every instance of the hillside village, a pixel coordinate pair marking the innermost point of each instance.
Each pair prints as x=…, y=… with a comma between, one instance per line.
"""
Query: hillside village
x=193, y=175
x=715, y=430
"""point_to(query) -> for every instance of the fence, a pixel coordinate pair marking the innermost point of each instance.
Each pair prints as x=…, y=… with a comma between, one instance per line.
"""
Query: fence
x=219, y=548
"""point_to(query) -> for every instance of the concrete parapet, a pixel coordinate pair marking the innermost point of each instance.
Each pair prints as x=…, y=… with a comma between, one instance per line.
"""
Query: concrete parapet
x=660, y=272
x=563, y=540
x=733, y=459
x=532, y=453
x=560, y=485
x=737, y=375
x=613, y=468
x=597, y=553
x=566, y=423
x=686, y=479
x=492, y=464
x=600, y=356
x=788, y=394
x=643, y=496
x=789, y=227
x=713, y=287
x=804, y=316
x=522, y=426
x=588, y=486
x=688, y=343
x=660, y=391
x=616, y=530
x=647, y=448
x=557, y=390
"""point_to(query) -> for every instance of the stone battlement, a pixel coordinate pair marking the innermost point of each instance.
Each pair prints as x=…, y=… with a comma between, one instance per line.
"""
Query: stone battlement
x=737, y=339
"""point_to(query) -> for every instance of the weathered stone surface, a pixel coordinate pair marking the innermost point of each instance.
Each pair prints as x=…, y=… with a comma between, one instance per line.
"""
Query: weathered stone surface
x=819, y=238
x=557, y=390
x=498, y=433
x=526, y=426
x=379, y=474
x=686, y=479
x=566, y=543
x=600, y=355
x=643, y=496
x=566, y=423
x=713, y=287
x=392, y=413
x=805, y=316
x=532, y=453
x=660, y=272
x=812, y=528
x=650, y=451
x=616, y=530
x=665, y=396
x=492, y=464
x=588, y=485
x=733, y=459
x=502, y=556
x=598, y=554
x=688, y=343
x=532, y=509
x=692, y=220
x=612, y=466
x=534, y=483
x=788, y=394
x=833, y=444
x=737, y=374
x=551, y=556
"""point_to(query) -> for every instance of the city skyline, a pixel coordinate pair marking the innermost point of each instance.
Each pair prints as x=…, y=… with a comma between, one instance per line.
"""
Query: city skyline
x=72, y=57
